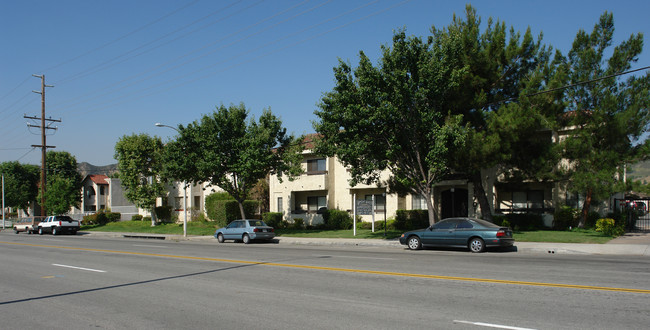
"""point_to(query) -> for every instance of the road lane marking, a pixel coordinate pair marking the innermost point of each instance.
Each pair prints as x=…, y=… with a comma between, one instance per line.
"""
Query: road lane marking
x=350, y=257
x=349, y=270
x=490, y=325
x=80, y=268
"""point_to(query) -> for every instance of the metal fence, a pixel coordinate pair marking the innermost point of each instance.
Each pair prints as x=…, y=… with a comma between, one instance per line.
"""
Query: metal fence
x=636, y=210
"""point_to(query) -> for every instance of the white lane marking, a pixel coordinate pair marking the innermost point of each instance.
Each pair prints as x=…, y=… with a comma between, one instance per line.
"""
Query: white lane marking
x=153, y=246
x=80, y=268
x=490, y=325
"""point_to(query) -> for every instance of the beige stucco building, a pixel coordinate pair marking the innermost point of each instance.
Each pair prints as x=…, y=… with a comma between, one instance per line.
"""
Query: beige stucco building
x=325, y=183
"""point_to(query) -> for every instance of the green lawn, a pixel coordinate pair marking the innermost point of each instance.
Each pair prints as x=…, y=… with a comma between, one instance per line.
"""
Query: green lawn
x=572, y=236
x=201, y=228
x=206, y=228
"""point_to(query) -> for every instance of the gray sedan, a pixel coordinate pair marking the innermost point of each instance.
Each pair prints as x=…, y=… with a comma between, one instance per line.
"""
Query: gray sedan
x=245, y=231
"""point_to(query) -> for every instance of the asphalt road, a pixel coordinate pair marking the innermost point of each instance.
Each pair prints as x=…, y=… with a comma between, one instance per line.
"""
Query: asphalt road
x=77, y=282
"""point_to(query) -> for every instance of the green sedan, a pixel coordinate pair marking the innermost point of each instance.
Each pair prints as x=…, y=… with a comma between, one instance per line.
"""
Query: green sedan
x=475, y=234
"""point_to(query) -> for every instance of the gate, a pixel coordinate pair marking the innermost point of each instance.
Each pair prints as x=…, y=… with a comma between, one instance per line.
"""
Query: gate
x=636, y=211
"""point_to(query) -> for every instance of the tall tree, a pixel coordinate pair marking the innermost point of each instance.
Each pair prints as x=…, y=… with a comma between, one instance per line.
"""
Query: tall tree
x=392, y=116
x=230, y=151
x=21, y=184
x=499, y=66
x=606, y=117
x=63, y=183
x=139, y=165
x=433, y=108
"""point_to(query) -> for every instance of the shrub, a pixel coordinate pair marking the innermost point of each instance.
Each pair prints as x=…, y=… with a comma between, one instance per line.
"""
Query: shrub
x=298, y=223
x=101, y=218
x=524, y=221
x=225, y=211
x=501, y=220
x=336, y=219
x=164, y=213
x=592, y=217
x=136, y=217
x=411, y=219
x=147, y=219
x=114, y=216
x=564, y=218
x=608, y=227
x=273, y=219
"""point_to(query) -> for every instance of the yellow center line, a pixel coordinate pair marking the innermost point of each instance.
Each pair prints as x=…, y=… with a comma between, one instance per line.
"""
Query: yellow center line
x=349, y=270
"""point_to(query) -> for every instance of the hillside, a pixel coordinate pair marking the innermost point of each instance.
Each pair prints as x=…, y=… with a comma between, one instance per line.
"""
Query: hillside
x=639, y=172
x=86, y=168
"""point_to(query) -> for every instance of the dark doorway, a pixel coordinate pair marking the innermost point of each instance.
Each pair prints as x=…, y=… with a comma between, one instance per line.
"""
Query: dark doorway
x=454, y=203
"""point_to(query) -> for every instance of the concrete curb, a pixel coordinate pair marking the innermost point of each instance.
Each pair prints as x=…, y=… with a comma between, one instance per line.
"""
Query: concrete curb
x=522, y=247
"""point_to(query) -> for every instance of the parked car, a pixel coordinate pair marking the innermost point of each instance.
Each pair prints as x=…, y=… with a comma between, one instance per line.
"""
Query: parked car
x=245, y=231
x=28, y=225
x=475, y=234
x=57, y=224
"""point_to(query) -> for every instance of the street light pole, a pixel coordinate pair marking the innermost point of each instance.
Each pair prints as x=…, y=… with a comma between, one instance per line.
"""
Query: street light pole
x=184, y=188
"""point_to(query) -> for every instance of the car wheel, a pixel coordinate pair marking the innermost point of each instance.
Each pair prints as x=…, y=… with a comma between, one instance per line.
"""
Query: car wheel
x=220, y=238
x=414, y=243
x=40, y=231
x=16, y=231
x=476, y=245
x=246, y=239
x=54, y=231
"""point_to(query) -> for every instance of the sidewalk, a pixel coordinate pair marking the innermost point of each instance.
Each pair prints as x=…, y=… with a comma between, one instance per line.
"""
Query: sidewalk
x=635, y=244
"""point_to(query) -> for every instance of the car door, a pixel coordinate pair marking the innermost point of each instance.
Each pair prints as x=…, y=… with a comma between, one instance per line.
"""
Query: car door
x=233, y=230
x=464, y=230
x=442, y=233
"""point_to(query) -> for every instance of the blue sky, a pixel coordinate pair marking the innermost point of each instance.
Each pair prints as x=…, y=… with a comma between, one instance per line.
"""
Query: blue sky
x=119, y=67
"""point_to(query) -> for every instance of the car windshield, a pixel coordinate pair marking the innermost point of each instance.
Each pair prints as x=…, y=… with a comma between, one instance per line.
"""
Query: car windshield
x=256, y=223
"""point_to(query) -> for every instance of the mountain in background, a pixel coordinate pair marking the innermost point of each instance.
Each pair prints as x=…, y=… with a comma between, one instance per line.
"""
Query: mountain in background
x=86, y=169
x=639, y=172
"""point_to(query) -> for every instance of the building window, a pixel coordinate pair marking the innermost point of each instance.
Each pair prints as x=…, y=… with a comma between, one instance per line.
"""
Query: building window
x=178, y=203
x=519, y=200
x=533, y=199
x=316, y=166
x=280, y=207
x=197, y=203
x=573, y=200
x=316, y=202
x=380, y=202
x=418, y=202
x=101, y=190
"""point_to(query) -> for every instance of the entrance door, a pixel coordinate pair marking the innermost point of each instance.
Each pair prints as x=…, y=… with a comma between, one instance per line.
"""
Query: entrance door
x=454, y=203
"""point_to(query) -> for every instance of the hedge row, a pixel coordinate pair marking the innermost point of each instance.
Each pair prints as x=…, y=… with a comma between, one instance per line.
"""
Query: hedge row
x=101, y=218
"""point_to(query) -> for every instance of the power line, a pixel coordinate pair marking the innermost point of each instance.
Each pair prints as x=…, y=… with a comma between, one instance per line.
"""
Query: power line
x=106, y=64
x=122, y=37
x=204, y=47
x=582, y=83
x=138, y=93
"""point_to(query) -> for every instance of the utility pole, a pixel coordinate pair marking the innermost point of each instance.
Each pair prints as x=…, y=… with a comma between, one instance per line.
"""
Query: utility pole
x=43, y=144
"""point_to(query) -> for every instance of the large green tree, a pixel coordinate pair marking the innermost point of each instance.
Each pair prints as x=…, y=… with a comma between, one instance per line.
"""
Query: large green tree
x=605, y=117
x=392, y=116
x=63, y=183
x=501, y=65
x=21, y=184
x=139, y=163
x=441, y=106
x=230, y=151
